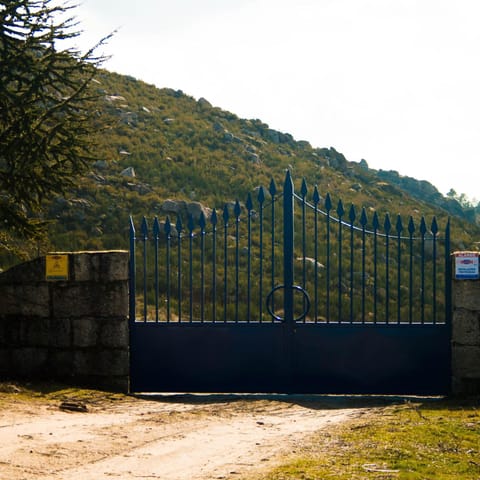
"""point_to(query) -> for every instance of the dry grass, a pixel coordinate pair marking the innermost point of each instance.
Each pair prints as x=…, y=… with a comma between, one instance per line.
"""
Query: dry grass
x=413, y=441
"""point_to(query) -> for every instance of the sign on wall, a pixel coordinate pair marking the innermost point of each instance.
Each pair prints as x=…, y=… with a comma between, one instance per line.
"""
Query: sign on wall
x=466, y=265
x=56, y=267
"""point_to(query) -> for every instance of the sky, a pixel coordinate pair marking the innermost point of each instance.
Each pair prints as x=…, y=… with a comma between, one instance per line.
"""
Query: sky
x=394, y=82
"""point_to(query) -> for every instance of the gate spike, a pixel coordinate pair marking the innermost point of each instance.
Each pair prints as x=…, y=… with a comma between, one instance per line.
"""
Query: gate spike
x=168, y=227
x=352, y=215
x=156, y=228
x=202, y=222
x=423, y=226
x=375, y=222
x=363, y=218
x=249, y=203
x=179, y=225
x=399, y=224
x=387, y=225
x=214, y=218
x=237, y=210
x=261, y=195
x=191, y=223
x=328, y=203
x=132, y=228
x=411, y=226
x=434, y=227
x=304, y=189
x=273, y=188
x=144, y=228
x=226, y=214
x=340, y=209
x=316, y=196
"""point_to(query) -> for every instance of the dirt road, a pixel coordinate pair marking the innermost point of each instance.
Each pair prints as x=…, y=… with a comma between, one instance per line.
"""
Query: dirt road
x=163, y=437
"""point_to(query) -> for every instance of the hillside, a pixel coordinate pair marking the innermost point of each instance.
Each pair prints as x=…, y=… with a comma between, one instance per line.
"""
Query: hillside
x=163, y=144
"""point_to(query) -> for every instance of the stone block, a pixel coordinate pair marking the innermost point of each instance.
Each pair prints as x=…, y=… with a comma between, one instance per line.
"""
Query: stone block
x=466, y=294
x=90, y=300
x=61, y=363
x=5, y=363
x=36, y=332
x=28, y=362
x=84, y=362
x=465, y=361
x=27, y=299
x=105, y=363
x=61, y=332
x=114, y=333
x=466, y=386
x=109, y=266
x=14, y=330
x=466, y=327
x=85, y=332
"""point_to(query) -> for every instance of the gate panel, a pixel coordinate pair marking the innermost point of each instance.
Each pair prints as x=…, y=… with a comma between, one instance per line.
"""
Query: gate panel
x=208, y=358
x=374, y=359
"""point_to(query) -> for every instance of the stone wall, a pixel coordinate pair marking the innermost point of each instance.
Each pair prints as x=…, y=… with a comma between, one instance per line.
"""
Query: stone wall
x=466, y=337
x=74, y=330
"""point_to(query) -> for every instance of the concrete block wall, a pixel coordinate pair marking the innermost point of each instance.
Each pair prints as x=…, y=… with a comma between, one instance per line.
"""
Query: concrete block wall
x=75, y=329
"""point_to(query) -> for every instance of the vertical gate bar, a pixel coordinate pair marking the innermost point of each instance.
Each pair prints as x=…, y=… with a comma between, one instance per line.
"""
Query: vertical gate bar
x=288, y=249
x=191, y=226
x=273, y=192
x=411, y=230
x=304, y=192
x=179, y=227
x=399, y=227
x=352, y=217
x=328, y=207
x=132, y=274
x=340, y=212
x=387, y=227
x=168, y=239
x=363, y=222
x=225, y=261
x=156, y=233
x=434, y=230
x=316, y=200
x=423, y=231
x=249, y=206
x=237, y=211
x=375, y=267
x=202, y=224
x=448, y=277
x=144, y=231
x=213, y=221
x=261, y=200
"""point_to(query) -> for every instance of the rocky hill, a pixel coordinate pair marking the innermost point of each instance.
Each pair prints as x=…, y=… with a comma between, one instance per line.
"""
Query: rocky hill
x=164, y=150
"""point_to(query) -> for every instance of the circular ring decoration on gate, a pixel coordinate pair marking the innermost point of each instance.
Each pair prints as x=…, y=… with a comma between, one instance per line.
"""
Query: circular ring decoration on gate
x=293, y=287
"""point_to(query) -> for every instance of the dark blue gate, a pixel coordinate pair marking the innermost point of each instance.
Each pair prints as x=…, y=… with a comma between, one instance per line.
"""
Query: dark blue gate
x=267, y=297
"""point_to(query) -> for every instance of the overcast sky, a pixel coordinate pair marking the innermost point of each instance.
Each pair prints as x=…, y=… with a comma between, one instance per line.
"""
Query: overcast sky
x=395, y=82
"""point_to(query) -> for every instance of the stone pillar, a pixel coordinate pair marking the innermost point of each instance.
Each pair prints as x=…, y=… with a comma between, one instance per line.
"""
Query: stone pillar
x=74, y=329
x=466, y=336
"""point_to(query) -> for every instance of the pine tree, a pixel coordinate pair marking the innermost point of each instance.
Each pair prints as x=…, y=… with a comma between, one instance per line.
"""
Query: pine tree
x=47, y=110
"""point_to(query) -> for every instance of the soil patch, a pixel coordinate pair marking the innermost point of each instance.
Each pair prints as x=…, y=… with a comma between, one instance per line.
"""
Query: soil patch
x=99, y=436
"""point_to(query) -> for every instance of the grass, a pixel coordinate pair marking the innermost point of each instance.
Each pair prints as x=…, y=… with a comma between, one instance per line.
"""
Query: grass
x=414, y=441
x=52, y=392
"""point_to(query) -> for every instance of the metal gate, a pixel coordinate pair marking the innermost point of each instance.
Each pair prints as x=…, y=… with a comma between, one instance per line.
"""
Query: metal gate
x=266, y=297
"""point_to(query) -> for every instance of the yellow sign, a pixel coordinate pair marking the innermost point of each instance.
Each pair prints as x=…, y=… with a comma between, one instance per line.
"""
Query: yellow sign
x=56, y=267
